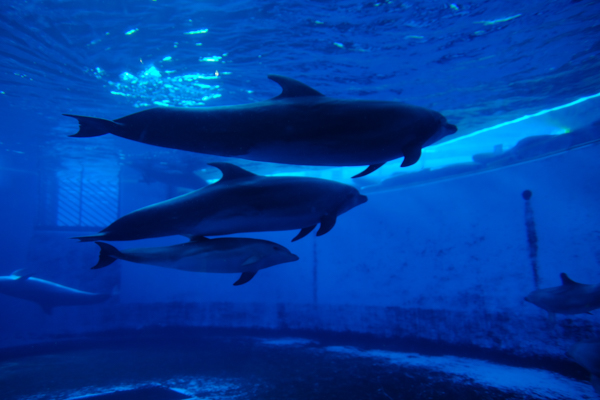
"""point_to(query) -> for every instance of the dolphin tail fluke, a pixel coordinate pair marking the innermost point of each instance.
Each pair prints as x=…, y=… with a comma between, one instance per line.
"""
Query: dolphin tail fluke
x=90, y=127
x=327, y=223
x=246, y=276
x=108, y=255
x=370, y=168
x=304, y=232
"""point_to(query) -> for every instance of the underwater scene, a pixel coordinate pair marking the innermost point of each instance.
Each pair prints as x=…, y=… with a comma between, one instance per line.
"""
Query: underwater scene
x=301, y=199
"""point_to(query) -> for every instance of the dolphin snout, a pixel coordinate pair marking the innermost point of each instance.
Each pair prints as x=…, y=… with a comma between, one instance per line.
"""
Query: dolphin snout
x=362, y=199
x=451, y=129
x=294, y=257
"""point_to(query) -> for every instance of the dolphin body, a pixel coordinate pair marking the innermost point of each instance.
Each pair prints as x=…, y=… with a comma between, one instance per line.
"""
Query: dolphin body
x=300, y=126
x=587, y=354
x=45, y=293
x=240, y=202
x=224, y=255
x=569, y=298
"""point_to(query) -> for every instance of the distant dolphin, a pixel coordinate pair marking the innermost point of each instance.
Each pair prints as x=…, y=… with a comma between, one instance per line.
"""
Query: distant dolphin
x=45, y=293
x=224, y=255
x=569, y=298
x=240, y=202
x=587, y=354
x=300, y=126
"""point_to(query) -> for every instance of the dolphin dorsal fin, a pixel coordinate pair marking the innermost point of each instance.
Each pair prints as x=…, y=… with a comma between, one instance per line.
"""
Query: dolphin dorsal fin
x=231, y=171
x=567, y=281
x=22, y=273
x=292, y=88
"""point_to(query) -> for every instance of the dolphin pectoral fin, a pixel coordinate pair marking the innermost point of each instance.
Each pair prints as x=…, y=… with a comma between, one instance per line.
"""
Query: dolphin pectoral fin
x=90, y=127
x=251, y=260
x=303, y=232
x=292, y=88
x=327, y=222
x=370, y=168
x=412, y=153
x=246, y=276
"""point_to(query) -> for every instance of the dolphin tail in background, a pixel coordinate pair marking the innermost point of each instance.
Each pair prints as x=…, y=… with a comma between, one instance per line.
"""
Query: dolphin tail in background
x=90, y=127
x=108, y=255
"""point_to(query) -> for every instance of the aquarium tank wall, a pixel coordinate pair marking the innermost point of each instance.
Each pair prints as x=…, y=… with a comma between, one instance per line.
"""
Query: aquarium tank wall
x=462, y=263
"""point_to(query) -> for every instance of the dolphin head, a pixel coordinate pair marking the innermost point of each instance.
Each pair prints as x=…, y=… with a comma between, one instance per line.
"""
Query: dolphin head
x=273, y=254
x=350, y=199
x=444, y=129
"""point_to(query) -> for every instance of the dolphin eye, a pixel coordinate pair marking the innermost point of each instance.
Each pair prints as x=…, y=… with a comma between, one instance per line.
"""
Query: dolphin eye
x=275, y=248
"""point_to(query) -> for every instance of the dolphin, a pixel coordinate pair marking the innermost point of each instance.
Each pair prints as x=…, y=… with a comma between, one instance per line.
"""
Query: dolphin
x=45, y=293
x=300, y=126
x=569, y=298
x=587, y=354
x=240, y=202
x=224, y=255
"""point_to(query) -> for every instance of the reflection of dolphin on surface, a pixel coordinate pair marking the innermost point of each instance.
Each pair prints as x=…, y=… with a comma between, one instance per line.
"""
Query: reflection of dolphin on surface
x=587, y=354
x=223, y=255
x=300, y=126
x=45, y=293
x=569, y=298
x=240, y=202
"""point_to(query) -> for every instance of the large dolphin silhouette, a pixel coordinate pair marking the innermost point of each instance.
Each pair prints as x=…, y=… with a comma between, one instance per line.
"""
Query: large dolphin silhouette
x=569, y=298
x=240, y=202
x=45, y=293
x=587, y=354
x=300, y=126
x=223, y=255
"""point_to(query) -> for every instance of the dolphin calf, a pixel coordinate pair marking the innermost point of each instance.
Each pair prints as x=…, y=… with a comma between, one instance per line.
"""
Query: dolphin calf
x=45, y=293
x=224, y=255
x=240, y=202
x=587, y=354
x=300, y=126
x=569, y=298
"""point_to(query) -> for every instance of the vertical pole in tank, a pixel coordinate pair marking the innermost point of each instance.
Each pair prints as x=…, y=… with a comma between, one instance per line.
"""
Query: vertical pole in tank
x=80, y=195
x=531, y=237
x=314, y=273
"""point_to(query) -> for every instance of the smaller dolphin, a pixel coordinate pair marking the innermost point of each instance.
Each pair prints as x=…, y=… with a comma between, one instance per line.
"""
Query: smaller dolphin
x=45, y=293
x=587, y=354
x=569, y=298
x=224, y=255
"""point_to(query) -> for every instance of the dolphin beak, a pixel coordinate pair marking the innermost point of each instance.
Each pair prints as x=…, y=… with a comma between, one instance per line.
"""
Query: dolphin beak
x=294, y=257
x=362, y=199
x=451, y=129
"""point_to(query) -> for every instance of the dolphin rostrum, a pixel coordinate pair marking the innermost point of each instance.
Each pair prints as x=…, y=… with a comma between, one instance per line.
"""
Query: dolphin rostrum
x=223, y=255
x=300, y=126
x=240, y=202
x=569, y=298
x=45, y=293
x=587, y=354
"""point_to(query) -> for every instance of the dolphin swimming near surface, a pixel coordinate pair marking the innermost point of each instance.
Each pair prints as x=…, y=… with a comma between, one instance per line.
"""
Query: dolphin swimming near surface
x=223, y=255
x=45, y=293
x=587, y=354
x=300, y=126
x=240, y=202
x=569, y=298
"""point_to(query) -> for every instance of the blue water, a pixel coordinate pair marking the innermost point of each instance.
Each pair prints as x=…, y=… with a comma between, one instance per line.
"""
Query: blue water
x=426, y=280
